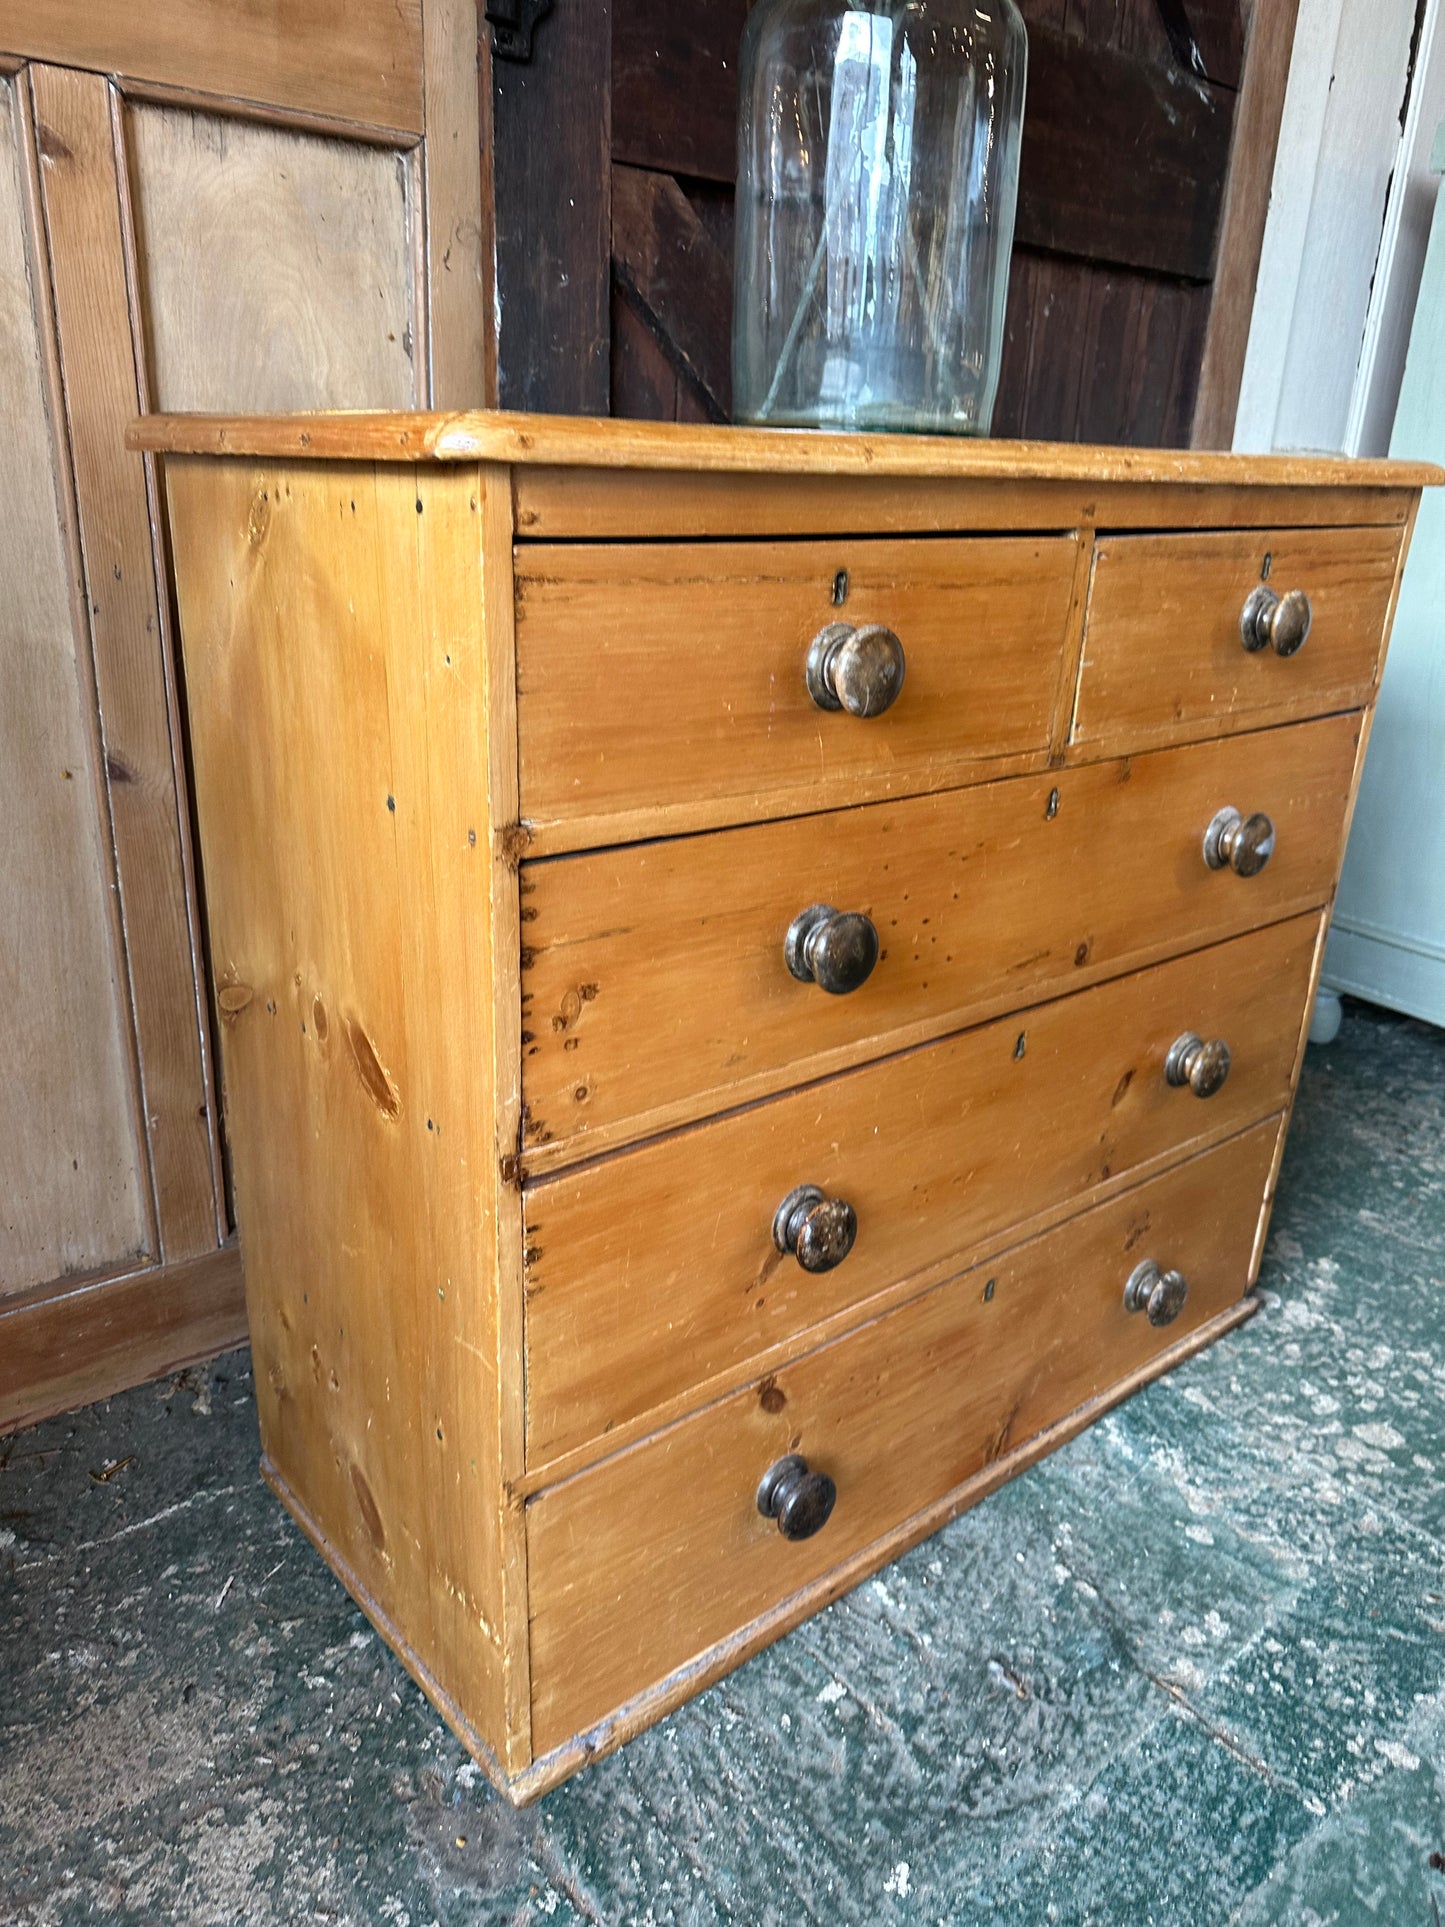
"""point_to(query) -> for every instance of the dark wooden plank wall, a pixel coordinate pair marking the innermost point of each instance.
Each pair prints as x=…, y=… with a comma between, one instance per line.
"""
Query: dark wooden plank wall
x=614, y=167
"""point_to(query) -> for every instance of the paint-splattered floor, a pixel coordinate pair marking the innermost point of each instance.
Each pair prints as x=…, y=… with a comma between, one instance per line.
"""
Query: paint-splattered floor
x=1191, y=1670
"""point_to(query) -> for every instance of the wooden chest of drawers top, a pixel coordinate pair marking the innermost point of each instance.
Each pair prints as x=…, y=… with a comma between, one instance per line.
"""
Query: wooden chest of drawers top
x=613, y=832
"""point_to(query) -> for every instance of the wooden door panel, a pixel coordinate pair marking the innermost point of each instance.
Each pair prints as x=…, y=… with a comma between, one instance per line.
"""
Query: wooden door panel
x=71, y=1186
x=276, y=267
x=358, y=60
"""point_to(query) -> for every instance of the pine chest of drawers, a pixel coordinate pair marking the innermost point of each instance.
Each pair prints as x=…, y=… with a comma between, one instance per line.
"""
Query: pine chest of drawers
x=761, y=982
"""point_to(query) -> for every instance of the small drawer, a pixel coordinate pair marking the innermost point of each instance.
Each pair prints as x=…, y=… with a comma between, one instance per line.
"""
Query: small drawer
x=1165, y=654
x=665, y=687
x=641, y=1564
x=655, y=978
x=649, y=1272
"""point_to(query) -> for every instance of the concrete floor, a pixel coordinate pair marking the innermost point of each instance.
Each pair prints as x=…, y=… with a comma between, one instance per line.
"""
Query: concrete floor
x=1190, y=1670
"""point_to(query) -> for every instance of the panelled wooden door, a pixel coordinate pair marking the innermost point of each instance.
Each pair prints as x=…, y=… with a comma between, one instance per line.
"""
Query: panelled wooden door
x=198, y=210
x=614, y=178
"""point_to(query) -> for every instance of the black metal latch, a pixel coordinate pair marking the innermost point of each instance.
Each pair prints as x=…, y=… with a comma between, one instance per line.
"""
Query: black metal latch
x=512, y=22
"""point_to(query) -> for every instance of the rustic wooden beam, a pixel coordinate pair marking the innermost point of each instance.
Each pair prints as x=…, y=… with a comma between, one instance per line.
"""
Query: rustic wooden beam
x=81, y=182
x=675, y=85
x=1124, y=157
x=552, y=142
x=676, y=273
x=1246, y=207
x=1123, y=161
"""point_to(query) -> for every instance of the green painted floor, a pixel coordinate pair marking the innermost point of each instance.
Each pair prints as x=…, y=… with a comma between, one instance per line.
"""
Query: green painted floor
x=1190, y=1670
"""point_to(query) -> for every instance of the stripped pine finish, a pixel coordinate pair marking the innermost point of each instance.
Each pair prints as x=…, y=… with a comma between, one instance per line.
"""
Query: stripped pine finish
x=633, y=1260
x=650, y=980
x=602, y=756
x=641, y=1564
x=938, y=1151
x=1187, y=592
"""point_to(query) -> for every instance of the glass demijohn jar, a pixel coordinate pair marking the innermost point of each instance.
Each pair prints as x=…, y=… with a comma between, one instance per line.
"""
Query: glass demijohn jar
x=878, y=153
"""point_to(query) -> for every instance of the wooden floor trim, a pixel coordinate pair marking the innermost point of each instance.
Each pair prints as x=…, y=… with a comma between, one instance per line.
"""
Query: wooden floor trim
x=77, y=1341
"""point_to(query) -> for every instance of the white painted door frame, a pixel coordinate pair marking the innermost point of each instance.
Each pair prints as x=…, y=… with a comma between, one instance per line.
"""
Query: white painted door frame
x=1350, y=210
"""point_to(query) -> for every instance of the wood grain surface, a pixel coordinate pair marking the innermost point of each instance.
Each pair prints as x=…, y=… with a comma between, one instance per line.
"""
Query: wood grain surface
x=461, y=334
x=1162, y=648
x=74, y=1342
x=276, y=267
x=337, y=657
x=654, y=984
x=651, y=1272
x=703, y=717
x=355, y=60
x=705, y=448
x=72, y=1161
x=88, y=273
x=642, y=1563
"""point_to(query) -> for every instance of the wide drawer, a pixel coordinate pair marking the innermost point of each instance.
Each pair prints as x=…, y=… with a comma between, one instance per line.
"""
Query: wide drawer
x=1164, y=654
x=638, y=1565
x=654, y=981
x=649, y=1272
x=658, y=678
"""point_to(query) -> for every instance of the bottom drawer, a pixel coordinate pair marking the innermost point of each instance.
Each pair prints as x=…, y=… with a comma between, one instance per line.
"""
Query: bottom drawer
x=638, y=1565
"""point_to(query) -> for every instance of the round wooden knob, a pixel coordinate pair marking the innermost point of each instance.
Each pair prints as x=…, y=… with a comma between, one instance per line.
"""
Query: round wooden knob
x=1243, y=844
x=860, y=670
x=817, y=1230
x=1159, y=1294
x=835, y=949
x=801, y=1501
x=1278, y=622
x=1202, y=1066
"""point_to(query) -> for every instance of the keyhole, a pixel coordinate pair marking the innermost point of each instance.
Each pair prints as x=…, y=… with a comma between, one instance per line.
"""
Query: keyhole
x=840, y=588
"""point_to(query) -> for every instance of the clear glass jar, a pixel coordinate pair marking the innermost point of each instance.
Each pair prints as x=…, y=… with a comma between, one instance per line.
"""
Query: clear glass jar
x=878, y=151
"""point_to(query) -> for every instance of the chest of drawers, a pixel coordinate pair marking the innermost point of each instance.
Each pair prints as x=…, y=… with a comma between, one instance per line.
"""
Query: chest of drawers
x=761, y=979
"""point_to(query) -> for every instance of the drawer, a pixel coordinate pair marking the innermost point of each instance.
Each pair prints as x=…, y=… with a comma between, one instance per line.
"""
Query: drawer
x=670, y=678
x=649, y=1272
x=1164, y=654
x=654, y=983
x=640, y=1564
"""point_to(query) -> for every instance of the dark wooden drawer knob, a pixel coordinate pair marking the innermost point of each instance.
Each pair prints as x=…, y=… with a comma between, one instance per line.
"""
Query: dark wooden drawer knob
x=835, y=949
x=801, y=1501
x=817, y=1230
x=1159, y=1294
x=860, y=670
x=1240, y=843
x=1278, y=622
x=1202, y=1066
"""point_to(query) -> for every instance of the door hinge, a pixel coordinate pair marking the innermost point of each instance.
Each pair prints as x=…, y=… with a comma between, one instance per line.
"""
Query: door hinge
x=512, y=22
